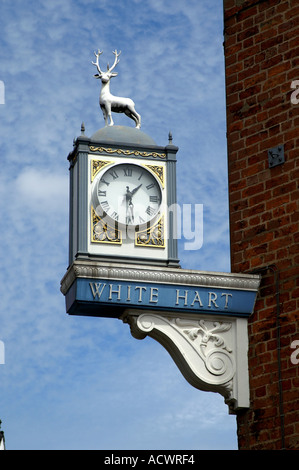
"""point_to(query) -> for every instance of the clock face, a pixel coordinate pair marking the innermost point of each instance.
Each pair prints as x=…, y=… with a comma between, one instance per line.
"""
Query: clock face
x=128, y=194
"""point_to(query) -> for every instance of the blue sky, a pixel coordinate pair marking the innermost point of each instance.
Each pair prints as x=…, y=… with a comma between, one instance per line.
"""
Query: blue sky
x=86, y=383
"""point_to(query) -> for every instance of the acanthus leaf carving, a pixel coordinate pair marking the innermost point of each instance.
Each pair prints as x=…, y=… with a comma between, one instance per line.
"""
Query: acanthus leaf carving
x=208, y=334
x=204, y=350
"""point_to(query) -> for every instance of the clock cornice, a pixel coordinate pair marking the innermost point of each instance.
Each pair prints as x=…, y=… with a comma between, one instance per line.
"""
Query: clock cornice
x=136, y=148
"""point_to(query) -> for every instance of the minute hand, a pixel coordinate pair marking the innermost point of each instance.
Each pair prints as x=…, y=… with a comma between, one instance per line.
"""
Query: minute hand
x=135, y=190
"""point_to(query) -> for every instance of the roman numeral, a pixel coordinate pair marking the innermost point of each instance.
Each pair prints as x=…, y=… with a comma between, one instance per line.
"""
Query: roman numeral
x=150, y=186
x=150, y=210
x=105, y=206
x=129, y=219
x=113, y=174
x=101, y=193
x=103, y=181
x=115, y=215
x=153, y=199
x=127, y=171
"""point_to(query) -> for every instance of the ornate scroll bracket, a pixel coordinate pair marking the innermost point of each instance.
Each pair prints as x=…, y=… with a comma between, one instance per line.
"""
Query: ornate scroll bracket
x=210, y=352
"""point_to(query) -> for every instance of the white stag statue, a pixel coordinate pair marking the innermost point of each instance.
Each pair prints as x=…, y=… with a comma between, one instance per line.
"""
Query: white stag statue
x=108, y=102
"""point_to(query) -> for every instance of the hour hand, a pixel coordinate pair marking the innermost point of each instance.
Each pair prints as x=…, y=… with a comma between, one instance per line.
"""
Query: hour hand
x=130, y=194
x=135, y=190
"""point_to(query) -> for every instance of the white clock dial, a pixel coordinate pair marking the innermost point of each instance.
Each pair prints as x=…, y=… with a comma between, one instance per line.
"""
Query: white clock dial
x=127, y=193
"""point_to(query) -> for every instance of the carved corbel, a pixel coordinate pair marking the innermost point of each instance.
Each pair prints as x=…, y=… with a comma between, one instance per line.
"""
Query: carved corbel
x=211, y=352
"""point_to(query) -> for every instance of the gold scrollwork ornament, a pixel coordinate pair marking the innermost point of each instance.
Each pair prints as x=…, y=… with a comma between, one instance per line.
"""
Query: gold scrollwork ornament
x=136, y=153
x=103, y=232
x=152, y=236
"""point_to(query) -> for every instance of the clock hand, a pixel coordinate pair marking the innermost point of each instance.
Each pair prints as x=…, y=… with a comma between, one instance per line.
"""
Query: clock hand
x=135, y=189
x=129, y=193
x=130, y=205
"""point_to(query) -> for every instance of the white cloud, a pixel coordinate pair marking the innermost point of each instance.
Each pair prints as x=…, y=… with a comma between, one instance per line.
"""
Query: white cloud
x=42, y=190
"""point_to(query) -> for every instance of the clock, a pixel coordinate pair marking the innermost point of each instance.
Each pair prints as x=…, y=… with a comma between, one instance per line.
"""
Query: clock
x=127, y=194
x=123, y=199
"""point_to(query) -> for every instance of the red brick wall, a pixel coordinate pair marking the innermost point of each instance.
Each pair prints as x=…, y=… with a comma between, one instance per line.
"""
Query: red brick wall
x=261, y=48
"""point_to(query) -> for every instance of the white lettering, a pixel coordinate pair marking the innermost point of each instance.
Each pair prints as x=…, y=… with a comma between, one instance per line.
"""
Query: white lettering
x=95, y=289
x=294, y=358
x=115, y=460
x=117, y=291
x=140, y=292
x=129, y=294
x=171, y=459
x=212, y=299
x=2, y=92
x=2, y=353
x=197, y=299
x=197, y=234
x=183, y=297
x=178, y=296
x=175, y=223
x=294, y=85
x=226, y=299
x=154, y=294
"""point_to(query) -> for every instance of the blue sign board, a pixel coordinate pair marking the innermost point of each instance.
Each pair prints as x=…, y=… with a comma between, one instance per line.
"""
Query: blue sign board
x=106, y=298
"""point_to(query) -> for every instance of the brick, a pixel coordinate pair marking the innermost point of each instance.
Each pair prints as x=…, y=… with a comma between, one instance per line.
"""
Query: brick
x=247, y=33
x=275, y=245
x=284, y=189
x=263, y=49
x=248, y=71
x=262, y=239
x=257, y=199
x=267, y=63
x=273, y=41
x=255, y=79
x=279, y=180
x=251, y=127
x=270, y=22
x=249, y=51
x=277, y=119
x=278, y=69
x=234, y=68
x=254, y=169
x=249, y=92
x=276, y=202
x=256, y=138
x=282, y=232
x=249, y=191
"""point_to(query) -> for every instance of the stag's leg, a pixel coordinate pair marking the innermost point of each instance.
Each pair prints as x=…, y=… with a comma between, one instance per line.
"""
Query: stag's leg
x=105, y=115
x=138, y=120
x=130, y=111
x=108, y=109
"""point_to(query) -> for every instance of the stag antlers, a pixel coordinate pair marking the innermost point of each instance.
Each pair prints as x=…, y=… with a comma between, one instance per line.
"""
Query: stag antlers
x=109, y=69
